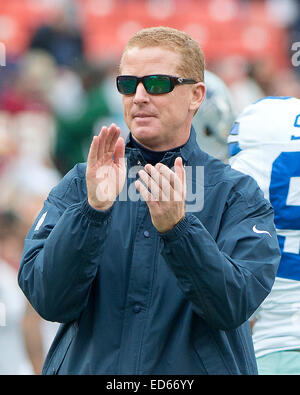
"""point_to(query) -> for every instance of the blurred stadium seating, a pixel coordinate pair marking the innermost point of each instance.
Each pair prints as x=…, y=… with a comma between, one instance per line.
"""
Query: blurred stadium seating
x=223, y=27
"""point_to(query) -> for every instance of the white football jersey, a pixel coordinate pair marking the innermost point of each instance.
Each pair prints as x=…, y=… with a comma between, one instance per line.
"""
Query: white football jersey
x=264, y=142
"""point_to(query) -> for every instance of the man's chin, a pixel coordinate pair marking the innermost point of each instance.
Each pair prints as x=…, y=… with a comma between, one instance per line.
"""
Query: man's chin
x=145, y=136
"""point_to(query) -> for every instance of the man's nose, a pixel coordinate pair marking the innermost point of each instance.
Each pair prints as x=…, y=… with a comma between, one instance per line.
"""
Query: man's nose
x=141, y=94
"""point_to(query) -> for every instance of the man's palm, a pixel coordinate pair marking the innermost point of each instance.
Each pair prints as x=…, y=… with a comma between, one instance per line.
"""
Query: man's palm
x=106, y=170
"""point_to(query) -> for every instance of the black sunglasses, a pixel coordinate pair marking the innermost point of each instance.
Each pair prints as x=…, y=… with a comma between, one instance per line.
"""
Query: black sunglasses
x=155, y=84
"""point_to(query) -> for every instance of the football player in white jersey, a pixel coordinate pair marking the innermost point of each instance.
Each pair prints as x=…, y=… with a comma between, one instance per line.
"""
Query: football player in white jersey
x=264, y=142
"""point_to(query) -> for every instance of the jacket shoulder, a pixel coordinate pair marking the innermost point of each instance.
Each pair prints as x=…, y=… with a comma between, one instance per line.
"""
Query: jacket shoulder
x=72, y=188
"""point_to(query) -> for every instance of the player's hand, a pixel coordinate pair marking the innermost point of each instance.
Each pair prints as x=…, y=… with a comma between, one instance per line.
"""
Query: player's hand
x=164, y=192
x=106, y=170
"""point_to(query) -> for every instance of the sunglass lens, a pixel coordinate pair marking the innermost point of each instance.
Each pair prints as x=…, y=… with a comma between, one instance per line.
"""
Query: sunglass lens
x=156, y=84
x=126, y=85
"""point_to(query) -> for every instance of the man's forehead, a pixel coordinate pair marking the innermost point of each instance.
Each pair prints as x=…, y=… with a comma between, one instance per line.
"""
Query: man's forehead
x=149, y=56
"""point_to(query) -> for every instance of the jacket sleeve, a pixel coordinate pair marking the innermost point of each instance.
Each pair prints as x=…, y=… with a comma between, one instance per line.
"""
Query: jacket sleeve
x=62, y=252
x=226, y=278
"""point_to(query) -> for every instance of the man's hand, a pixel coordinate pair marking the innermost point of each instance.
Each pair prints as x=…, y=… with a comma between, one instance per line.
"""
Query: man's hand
x=106, y=170
x=164, y=193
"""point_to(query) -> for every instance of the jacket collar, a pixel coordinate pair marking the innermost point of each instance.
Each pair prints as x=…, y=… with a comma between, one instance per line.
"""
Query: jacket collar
x=169, y=158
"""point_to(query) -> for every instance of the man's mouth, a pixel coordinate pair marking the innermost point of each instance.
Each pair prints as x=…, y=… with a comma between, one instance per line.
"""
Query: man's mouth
x=143, y=115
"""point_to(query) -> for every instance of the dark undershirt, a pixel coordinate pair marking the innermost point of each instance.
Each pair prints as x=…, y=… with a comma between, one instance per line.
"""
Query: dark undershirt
x=152, y=157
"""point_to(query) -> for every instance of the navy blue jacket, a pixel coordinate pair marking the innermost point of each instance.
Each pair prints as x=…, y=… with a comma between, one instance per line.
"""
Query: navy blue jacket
x=134, y=301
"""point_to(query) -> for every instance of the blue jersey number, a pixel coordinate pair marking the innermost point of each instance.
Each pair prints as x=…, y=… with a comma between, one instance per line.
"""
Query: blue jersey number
x=297, y=125
x=285, y=171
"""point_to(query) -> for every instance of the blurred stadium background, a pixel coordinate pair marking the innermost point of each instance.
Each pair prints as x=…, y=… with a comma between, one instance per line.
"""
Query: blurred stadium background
x=57, y=63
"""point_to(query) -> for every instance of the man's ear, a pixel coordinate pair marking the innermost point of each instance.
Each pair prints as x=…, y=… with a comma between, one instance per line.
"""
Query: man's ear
x=198, y=95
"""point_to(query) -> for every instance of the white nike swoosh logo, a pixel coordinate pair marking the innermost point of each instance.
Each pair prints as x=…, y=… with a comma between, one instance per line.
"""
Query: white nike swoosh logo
x=260, y=231
x=41, y=220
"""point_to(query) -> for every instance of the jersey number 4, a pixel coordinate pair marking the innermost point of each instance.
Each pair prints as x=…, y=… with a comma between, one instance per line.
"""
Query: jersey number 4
x=284, y=195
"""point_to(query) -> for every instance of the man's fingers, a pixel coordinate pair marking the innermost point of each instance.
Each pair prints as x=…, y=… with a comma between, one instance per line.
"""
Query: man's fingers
x=169, y=175
x=179, y=169
x=180, y=174
x=101, y=138
x=146, y=195
x=93, y=152
x=119, y=150
x=112, y=137
x=151, y=184
x=108, y=138
x=166, y=193
x=176, y=177
x=170, y=182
